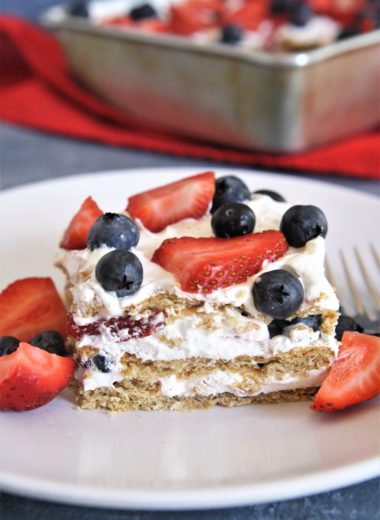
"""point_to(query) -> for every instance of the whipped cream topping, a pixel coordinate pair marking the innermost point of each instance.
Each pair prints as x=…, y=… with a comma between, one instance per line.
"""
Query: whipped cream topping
x=306, y=262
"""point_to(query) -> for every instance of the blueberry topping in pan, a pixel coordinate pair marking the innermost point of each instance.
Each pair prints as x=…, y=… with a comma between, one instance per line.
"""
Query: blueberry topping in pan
x=231, y=34
x=79, y=8
x=233, y=219
x=282, y=6
x=142, y=12
x=300, y=14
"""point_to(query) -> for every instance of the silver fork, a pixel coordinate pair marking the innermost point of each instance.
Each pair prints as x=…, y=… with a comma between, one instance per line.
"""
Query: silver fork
x=363, y=285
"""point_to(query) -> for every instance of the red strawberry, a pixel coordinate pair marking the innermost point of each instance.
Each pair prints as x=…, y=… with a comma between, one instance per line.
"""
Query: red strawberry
x=31, y=377
x=168, y=204
x=190, y=17
x=30, y=306
x=206, y=264
x=354, y=376
x=75, y=236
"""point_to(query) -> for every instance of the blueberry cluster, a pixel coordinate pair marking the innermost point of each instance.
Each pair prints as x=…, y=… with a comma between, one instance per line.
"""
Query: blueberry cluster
x=279, y=293
x=119, y=270
x=49, y=340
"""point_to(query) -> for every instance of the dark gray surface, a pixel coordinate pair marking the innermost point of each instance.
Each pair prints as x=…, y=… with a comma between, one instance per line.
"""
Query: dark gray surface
x=28, y=156
x=353, y=503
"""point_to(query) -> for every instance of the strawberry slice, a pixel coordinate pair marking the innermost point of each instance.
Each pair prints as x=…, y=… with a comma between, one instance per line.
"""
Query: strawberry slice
x=354, y=376
x=190, y=197
x=30, y=306
x=31, y=377
x=189, y=17
x=205, y=264
x=75, y=236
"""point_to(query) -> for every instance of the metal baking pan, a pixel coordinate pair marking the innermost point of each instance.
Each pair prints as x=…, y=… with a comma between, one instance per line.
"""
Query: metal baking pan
x=227, y=95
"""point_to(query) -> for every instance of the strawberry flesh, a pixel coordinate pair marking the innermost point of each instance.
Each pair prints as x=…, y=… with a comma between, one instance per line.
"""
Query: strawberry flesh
x=31, y=377
x=30, y=306
x=354, y=376
x=205, y=264
x=160, y=207
x=75, y=236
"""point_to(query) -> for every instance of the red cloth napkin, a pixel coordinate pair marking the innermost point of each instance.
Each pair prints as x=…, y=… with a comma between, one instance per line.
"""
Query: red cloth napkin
x=36, y=91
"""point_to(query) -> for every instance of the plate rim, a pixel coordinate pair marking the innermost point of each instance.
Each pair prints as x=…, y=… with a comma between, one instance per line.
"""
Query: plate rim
x=205, y=498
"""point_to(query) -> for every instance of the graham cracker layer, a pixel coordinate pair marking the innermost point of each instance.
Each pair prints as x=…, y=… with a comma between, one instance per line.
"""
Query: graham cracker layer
x=141, y=387
x=122, y=399
x=296, y=362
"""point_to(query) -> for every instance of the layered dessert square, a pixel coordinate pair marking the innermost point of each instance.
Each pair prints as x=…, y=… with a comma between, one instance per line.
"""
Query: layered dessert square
x=200, y=293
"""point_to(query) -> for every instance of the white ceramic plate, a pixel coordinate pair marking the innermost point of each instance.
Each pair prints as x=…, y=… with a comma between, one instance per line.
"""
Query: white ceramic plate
x=173, y=460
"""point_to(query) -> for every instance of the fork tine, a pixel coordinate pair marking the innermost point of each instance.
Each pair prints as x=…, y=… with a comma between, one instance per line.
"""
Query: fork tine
x=376, y=255
x=368, y=279
x=329, y=274
x=358, y=302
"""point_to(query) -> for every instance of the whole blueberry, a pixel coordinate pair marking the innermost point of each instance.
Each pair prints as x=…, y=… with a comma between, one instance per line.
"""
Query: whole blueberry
x=277, y=293
x=276, y=327
x=79, y=8
x=102, y=363
x=142, y=12
x=231, y=34
x=51, y=341
x=272, y=194
x=300, y=14
x=8, y=344
x=113, y=230
x=303, y=223
x=120, y=271
x=229, y=189
x=346, y=323
x=233, y=219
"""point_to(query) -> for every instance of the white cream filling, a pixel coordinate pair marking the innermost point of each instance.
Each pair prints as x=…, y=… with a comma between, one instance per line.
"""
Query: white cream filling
x=306, y=262
x=217, y=344
x=219, y=381
x=320, y=30
x=185, y=339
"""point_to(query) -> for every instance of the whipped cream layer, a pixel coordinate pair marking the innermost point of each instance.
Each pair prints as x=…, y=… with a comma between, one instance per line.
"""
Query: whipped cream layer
x=306, y=262
x=219, y=381
x=186, y=338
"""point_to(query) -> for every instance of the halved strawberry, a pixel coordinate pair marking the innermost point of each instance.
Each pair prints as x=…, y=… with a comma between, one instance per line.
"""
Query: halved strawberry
x=30, y=306
x=205, y=264
x=31, y=377
x=354, y=376
x=75, y=236
x=190, y=197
